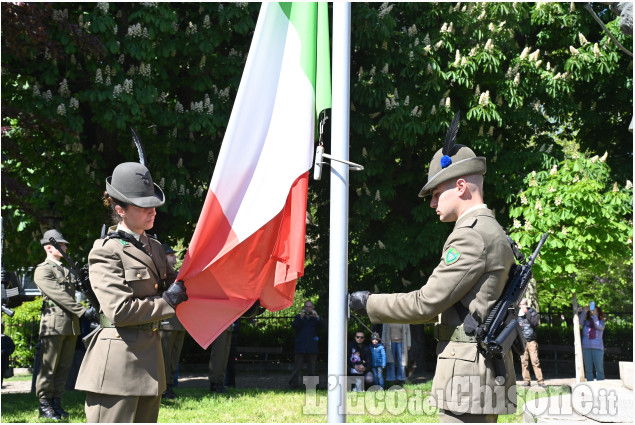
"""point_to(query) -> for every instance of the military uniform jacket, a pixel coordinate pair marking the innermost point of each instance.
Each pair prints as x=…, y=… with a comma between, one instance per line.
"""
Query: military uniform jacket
x=474, y=268
x=127, y=359
x=60, y=312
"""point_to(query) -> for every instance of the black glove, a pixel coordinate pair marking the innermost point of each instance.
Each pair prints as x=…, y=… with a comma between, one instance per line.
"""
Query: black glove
x=357, y=302
x=255, y=310
x=175, y=294
x=92, y=315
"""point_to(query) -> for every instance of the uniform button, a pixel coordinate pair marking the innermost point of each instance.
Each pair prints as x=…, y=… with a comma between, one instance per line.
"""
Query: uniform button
x=452, y=353
x=138, y=275
x=117, y=336
x=165, y=274
x=156, y=286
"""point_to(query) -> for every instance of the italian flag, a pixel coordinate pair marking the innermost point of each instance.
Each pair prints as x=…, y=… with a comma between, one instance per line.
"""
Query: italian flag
x=248, y=244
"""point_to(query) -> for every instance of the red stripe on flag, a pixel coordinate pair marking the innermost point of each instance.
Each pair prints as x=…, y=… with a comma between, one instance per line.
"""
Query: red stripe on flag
x=263, y=267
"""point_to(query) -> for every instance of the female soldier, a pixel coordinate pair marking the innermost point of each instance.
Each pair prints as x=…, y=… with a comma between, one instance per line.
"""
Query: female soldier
x=123, y=371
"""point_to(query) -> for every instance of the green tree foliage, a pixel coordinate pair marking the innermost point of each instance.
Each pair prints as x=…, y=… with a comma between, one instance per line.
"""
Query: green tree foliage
x=590, y=221
x=511, y=70
x=77, y=75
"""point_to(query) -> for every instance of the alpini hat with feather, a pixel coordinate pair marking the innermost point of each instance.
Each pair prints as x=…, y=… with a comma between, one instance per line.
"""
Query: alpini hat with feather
x=53, y=233
x=132, y=183
x=452, y=161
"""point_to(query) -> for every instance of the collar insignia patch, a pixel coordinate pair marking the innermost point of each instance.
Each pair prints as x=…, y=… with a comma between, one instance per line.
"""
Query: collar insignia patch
x=452, y=256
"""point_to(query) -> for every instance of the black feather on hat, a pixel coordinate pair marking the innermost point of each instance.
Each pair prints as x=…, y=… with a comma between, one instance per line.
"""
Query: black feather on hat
x=452, y=161
x=450, y=140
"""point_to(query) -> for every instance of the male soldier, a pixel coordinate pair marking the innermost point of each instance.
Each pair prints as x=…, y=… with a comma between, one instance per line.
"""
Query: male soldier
x=473, y=270
x=59, y=326
x=172, y=337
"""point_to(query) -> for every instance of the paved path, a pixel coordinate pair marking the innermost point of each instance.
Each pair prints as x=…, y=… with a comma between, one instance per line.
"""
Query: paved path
x=250, y=379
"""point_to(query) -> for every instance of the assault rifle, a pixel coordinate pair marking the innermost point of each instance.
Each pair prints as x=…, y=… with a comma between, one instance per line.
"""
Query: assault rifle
x=501, y=330
x=82, y=276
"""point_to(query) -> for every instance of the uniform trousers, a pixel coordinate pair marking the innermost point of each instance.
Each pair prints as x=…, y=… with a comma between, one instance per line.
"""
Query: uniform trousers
x=57, y=353
x=446, y=416
x=106, y=408
x=531, y=351
x=218, y=357
x=171, y=344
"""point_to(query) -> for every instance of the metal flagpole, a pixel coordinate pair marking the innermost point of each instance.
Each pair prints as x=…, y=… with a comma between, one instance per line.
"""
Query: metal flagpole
x=338, y=255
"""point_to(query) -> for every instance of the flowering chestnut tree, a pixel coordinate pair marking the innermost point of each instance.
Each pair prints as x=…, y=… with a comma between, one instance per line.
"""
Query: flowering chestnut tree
x=589, y=218
x=76, y=76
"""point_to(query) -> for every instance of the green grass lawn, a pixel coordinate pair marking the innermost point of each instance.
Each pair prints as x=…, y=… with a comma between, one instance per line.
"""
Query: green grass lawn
x=197, y=405
x=19, y=378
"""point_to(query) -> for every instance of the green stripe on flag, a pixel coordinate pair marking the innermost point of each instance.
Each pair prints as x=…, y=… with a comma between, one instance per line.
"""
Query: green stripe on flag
x=323, y=80
x=310, y=21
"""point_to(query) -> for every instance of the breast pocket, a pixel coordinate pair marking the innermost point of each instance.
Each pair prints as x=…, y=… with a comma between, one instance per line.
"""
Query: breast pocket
x=137, y=274
x=141, y=281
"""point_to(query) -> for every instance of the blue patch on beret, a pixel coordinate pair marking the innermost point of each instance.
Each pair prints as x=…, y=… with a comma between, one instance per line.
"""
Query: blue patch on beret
x=445, y=161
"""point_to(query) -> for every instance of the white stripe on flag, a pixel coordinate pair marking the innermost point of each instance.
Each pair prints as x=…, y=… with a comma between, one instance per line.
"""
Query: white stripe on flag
x=272, y=124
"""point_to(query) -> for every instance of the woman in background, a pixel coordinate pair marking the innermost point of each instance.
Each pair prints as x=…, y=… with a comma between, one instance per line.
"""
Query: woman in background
x=592, y=320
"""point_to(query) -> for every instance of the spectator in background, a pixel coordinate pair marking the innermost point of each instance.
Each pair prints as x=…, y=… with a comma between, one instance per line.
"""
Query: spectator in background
x=361, y=371
x=395, y=335
x=592, y=320
x=379, y=359
x=307, y=324
x=528, y=320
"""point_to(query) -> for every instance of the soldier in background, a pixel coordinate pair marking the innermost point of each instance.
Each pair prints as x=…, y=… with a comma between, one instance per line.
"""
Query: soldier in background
x=469, y=278
x=172, y=337
x=218, y=358
x=59, y=326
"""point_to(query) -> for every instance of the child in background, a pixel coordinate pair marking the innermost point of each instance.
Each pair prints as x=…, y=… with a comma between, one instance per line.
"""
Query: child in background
x=356, y=359
x=379, y=359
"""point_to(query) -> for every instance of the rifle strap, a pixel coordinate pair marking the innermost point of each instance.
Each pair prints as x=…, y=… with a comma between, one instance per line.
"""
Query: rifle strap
x=119, y=234
x=470, y=323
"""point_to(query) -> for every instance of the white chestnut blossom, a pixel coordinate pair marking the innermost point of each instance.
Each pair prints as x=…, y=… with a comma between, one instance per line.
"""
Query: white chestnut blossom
x=525, y=52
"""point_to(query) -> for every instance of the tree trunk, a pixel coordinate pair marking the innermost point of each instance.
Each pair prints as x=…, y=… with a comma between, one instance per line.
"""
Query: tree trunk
x=532, y=295
x=579, y=362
